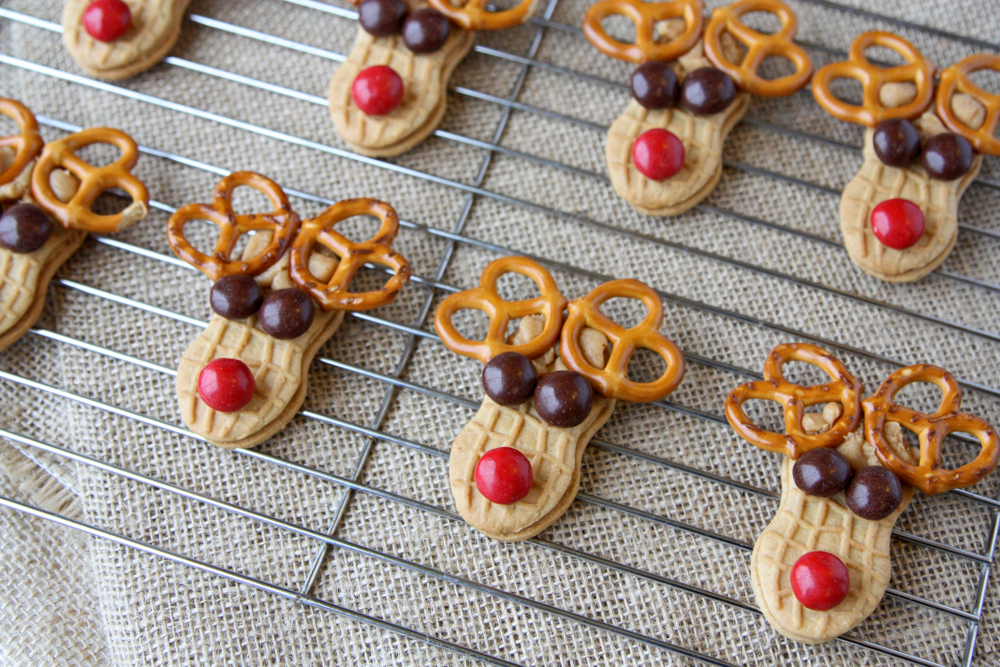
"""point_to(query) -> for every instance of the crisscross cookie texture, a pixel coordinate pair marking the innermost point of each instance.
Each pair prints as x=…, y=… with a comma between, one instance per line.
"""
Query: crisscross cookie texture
x=918, y=71
x=645, y=15
x=76, y=213
x=549, y=304
x=759, y=46
x=927, y=474
x=282, y=221
x=333, y=292
x=843, y=388
x=955, y=79
x=611, y=380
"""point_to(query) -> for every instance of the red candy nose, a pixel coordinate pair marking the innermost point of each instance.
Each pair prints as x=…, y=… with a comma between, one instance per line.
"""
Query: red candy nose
x=377, y=90
x=226, y=385
x=897, y=223
x=658, y=154
x=106, y=20
x=820, y=580
x=503, y=475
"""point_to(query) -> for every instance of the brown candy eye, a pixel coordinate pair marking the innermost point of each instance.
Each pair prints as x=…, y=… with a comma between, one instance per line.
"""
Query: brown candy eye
x=286, y=313
x=381, y=18
x=24, y=228
x=822, y=472
x=425, y=31
x=563, y=398
x=655, y=85
x=707, y=90
x=236, y=297
x=874, y=493
x=509, y=378
x=896, y=142
x=947, y=156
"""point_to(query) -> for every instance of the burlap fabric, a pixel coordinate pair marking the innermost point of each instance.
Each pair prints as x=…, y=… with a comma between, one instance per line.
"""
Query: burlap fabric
x=69, y=600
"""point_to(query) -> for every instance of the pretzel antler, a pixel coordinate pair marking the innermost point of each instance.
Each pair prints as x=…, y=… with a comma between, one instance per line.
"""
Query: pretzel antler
x=612, y=380
x=645, y=16
x=843, y=388
x=918, y=71
x=549, y=304
x=76, y=213
x=955, y=79
x=473, y=14
x=27, y=144
x=283, y=221
x=759, y=46
x=333, y=293
x=928, y=475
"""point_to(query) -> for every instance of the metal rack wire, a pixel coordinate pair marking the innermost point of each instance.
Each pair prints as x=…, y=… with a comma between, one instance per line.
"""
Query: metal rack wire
x=434, y=285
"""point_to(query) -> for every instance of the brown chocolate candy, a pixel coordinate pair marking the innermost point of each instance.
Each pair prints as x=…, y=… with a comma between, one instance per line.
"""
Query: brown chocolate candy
x=509, y=378
x=707, y=90
x=563, y=398
x=874, y=493
x=24, y=228
x=286, y=313
x=236, y=297
x=822, y=472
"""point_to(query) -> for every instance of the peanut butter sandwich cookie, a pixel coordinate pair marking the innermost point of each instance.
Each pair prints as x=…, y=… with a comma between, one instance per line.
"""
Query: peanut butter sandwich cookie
x=899, y=214
x=244, y=377
x=515, y=468
x=116, y=39
x=823, y=564
x=664, y=154
x=390, y=93
x=46, y=194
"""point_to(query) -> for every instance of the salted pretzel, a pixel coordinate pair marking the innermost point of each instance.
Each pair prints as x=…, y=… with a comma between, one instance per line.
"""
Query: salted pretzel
x=77, y=213
x=955, y=79
x=333, y=293
x=843, y=388
x=927, y=475
x=473, y=14
x=27, y=144
x=645, y=16
x=283, y=221
x=612, y=380
x=549, y=304
x=917, y=70
x=759, y=46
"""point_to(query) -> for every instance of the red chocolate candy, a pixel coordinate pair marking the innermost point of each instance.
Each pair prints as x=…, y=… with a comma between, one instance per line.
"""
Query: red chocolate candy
x=897, y=223
x=503, y=475
x=820, y=580
x=107, y=20
x=226, y=385
x=377, y=90
x=658, y=154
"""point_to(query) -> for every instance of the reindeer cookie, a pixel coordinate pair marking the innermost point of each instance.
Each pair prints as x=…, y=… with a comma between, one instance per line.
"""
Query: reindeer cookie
x=116, y=39
x=664, y=154
x=390, y=93
x=515, y=468
x=822, y=565
x=899, y=214
x=244, y=377
x=46, y=193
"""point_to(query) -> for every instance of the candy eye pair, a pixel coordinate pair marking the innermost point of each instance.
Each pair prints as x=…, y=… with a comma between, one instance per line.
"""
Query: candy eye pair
x=945, y=156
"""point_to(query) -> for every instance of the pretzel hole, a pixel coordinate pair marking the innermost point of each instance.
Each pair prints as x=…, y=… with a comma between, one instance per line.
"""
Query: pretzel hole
x=956, y=452
x=624, y=312
x=668, y=30
x=881, y=56
x=8, y=128
x=111, y=202
x=619, y=28
x=847, y=89
x=767, y=415
x=766, y=23
x=806, y=375
x=203, y=234
x=775, y=67
x=921, y=396
x=493, y=5
x=987, y=79
x=99, y=154
x=246, y=200
x=514, y=287
x=645, y=366
x=471, y=323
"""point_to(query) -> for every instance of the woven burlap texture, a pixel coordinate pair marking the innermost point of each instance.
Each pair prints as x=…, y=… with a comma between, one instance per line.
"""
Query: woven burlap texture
x=132, y=608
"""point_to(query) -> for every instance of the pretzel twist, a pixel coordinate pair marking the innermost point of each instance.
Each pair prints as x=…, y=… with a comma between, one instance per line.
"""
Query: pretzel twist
x=759, y=46
x=927, y=475
x=871, y=112
x=955, y=79
x=549, y=304
x=844, y=389
x=283, y=221
x=645, y=16
x=27, y=144
x=473, y=14
x=333, y=294
x=612, y=380
x=76, y=213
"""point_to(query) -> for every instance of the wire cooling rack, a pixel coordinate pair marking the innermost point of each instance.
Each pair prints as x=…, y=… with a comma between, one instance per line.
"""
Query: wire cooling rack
x=968, y=562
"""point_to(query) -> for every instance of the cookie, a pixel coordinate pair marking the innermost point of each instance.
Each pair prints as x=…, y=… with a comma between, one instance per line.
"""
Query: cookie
x=664, y=153
x=299, y=274
x=899, y=218
x=542, y=435
x=153, y=29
